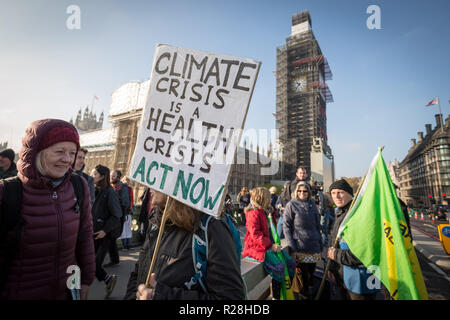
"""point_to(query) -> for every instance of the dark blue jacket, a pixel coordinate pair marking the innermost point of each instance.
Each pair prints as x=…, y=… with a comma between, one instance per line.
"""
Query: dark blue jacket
x=301, y=226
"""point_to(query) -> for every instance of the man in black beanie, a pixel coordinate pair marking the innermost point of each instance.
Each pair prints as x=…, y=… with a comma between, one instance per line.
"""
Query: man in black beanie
x=338, y=252
x=7, y=166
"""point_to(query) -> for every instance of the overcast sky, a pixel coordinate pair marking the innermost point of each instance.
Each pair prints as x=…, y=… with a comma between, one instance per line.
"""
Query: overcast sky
x=382, y=79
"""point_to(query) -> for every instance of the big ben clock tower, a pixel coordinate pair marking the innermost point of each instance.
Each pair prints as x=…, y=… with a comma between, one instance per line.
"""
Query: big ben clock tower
x=302, y=97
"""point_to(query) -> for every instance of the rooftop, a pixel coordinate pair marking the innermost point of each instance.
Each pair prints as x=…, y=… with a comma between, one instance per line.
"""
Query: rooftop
x=129, y=98
x=420, y=146
x=99, y=140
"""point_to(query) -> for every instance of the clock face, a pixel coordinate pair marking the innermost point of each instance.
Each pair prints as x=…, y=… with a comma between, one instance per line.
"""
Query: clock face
x=298, y=84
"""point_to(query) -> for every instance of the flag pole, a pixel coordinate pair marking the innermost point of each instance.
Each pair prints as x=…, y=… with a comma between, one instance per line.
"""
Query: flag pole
x=92, y=105
x=442, y=116
x=327, y=267
x=158, y=242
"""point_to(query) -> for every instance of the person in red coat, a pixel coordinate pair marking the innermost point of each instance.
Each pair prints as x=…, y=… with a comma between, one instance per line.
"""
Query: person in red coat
x=257, y=238
x=56, y=233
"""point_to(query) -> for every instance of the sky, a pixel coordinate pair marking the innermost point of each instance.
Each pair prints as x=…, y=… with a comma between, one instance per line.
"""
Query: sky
x=382, y=78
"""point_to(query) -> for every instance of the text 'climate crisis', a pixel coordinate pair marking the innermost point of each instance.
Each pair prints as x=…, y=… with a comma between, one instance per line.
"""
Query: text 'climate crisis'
x=178, y=71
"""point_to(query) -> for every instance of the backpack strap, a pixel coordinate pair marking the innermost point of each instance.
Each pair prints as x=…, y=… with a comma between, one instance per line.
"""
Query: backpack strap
x=78, y=187
x=200, y=254
x=118, y=191
x=235, y=234
x=10, y=220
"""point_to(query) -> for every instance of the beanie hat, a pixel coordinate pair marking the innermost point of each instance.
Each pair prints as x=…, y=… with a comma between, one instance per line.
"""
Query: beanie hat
x=342, y=185
x=59, y=134
x=8, y=153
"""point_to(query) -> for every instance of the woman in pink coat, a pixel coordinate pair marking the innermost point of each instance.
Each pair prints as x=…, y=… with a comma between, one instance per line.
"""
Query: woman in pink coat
x=55, y=235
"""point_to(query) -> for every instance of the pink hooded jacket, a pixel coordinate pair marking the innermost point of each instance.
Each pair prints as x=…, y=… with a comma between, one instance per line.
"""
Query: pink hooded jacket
x=54, y=236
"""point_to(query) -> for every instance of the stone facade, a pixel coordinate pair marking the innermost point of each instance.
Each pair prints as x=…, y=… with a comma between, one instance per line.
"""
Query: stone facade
x=424, y=174
x=88, y=121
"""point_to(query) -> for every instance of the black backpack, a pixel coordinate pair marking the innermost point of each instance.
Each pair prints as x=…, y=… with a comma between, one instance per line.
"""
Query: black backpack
x=11, y=219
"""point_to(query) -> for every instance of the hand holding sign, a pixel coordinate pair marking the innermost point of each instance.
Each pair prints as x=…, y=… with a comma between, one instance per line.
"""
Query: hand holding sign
x=190, y=129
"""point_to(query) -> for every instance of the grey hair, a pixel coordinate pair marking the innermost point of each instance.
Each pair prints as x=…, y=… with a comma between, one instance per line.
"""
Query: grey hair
x=39, y=166
x=301, y=184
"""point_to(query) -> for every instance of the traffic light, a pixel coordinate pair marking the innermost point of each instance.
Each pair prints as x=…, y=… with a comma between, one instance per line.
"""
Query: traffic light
x=429, y=196
x=443, y=194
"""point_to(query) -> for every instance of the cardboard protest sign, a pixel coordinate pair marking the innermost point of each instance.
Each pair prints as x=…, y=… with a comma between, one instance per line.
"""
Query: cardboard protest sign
x=192, y=124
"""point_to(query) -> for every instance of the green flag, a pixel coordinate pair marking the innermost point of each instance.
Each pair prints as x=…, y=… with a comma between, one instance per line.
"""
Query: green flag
x=286, y=285
x=376, y=232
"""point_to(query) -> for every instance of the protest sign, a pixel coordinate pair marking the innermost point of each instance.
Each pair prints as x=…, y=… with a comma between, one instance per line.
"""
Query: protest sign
x=192, y=124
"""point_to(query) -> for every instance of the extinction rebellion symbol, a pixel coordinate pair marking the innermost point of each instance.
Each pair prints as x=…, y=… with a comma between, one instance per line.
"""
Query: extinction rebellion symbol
x=446, y=231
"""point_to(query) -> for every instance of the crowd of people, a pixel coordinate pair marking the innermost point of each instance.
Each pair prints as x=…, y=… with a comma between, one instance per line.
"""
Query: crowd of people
x=54, y=215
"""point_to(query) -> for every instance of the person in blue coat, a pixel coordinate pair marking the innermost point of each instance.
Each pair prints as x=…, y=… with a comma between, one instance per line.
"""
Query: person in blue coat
x=301, y=227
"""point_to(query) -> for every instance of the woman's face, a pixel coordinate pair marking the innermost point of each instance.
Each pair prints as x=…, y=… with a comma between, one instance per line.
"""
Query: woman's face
x=158, y=199
x=303, y=193
x=97, y=176
x=58, y=158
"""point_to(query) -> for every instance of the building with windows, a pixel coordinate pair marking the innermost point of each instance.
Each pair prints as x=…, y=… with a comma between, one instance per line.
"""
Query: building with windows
x=248, y=171
x=424, y=174
x=113, y=147
x=100, y=145
x=302, y=95
x=393, y=168
x=87, y=121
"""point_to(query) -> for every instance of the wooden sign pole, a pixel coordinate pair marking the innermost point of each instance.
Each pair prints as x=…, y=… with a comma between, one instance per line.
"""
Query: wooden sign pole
x=158, y=242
